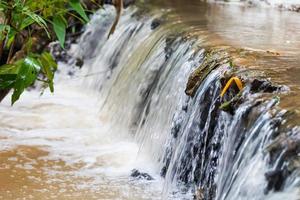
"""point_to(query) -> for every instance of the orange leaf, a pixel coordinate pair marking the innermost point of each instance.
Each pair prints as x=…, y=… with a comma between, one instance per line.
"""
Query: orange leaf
x=237, y=81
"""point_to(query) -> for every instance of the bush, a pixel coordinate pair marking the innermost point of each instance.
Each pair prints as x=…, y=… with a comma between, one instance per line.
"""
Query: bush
x=24, y=26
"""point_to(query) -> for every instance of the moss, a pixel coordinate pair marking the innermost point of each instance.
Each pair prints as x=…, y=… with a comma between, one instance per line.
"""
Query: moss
x=231, y=105
x=212, y=60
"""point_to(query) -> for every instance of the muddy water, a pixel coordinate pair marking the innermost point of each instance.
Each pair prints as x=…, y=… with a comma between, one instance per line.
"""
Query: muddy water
x=270, y=36
x=57, y=146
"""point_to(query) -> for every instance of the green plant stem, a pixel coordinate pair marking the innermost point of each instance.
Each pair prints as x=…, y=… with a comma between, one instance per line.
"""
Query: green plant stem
x=11, y=51
x=1, y=49
x=7, y=21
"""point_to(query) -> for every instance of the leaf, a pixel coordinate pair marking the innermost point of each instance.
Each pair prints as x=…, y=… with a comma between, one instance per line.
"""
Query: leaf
x=59, y=27
x=26, y=22
x=48, y=57
x=4, y=29
x=7, y=81
x=237, y=81
x=49, y=66
x=36, y=18
x=76, y=5
x=8, y=75
x=9, y=69
x=29, y=68
x=3, y=5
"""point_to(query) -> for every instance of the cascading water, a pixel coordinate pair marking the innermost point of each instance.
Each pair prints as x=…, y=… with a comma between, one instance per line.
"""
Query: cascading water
x=196, y=145
x=141, y=118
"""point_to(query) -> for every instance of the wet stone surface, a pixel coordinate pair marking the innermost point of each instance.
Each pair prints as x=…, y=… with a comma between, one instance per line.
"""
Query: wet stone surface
x=136, y=174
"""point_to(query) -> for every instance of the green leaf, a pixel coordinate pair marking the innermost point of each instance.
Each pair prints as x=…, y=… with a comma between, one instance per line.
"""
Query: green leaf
x=8, y=75
x=48, y=57
x=4, y=29
x=76, y=5
x=29, y=68
x=36, y=18
x=59, y=27
x=49, y=66
x=26, y=22
x=9, y=69
x=7, y=81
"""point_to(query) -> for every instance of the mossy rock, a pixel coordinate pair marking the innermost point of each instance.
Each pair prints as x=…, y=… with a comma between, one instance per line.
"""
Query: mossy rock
x=212, y=60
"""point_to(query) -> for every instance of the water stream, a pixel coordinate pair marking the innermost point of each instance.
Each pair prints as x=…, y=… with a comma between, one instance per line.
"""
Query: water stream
x=127, y=109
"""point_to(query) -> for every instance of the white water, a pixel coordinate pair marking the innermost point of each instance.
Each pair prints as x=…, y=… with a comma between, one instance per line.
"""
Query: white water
x=67, y=125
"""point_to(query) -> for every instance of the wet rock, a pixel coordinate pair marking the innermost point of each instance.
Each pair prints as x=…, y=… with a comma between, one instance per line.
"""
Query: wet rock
x=79, y=62
x=169, y=49
x=164, y=170
x=71, y=73
x=197, y=164
x=211, y=61
x=59, y=53
x=231, y=105
x=263, y=86
x=295, y=8
x=140, y=175
x=176, y=126
x=128, y=3
x=156, y=23
x=236, y=98
x=275, y=180
x=290, y=143
x=199, y=194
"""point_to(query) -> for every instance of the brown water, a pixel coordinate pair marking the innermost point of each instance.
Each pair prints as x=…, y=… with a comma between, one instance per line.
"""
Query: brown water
x=270, y=37
x=55, y=147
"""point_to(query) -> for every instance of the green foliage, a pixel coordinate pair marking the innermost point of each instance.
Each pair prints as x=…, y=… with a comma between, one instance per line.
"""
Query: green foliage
x=48, y=66
x=27, y=74
x=19, y=18
x=76, y=5
x=59, y=27
x=26, y=13
x=24, y=73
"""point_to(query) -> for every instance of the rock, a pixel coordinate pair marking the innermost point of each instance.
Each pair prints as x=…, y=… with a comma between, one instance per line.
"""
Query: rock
x=176, y=126
x=275, y=180
x=140, y=175
x=155, y=23
x=128, y=3
x=263, y=86
x=211, y=61
x=170, y=41
x=59, y=53
x=70, y=73
x=79, y=62
x=232, y=105
x=199, y=194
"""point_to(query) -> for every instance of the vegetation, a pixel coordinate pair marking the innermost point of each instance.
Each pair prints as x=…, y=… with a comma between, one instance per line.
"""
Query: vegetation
x=26, y=28
x=237, y=81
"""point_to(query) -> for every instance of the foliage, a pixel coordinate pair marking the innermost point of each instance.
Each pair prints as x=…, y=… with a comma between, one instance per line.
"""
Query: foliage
x=20, y=19
x=237, y=81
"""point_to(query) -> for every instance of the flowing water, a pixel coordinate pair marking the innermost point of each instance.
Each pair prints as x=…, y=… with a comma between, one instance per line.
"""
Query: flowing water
x=127, y=109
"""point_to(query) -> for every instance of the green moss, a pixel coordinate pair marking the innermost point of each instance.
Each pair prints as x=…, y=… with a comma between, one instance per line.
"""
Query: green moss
x=212, y=60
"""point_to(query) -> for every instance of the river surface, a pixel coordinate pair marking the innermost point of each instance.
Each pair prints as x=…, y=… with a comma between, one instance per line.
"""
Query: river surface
x=270, y=33
x=77, y=143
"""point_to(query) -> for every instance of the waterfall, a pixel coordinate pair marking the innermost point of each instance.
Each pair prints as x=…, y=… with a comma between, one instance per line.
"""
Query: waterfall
x=141, y=73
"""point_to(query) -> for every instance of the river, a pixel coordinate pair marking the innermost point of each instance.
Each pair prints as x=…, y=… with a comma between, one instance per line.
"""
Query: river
x=119, y=112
